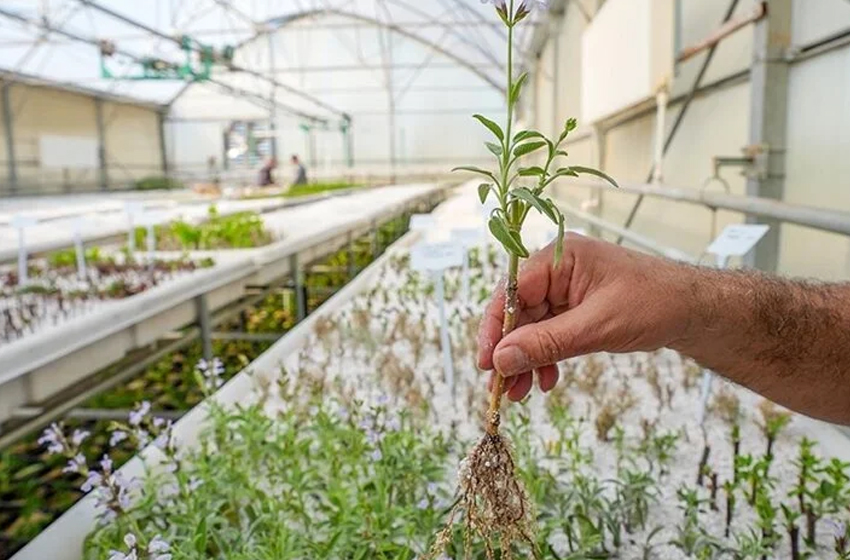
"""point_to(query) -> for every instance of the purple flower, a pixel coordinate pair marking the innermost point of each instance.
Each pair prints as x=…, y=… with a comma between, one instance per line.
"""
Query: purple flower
x=106, y=464
x=432, y=489
x=377, y=455
x=158, y=545
x=167, y=491
x=158, y=422
x=383, y=400
x=423, y=503
x=195, y=483
x=79, y=436
x=74, y=465
x=218, y=367
x=161, y=441
x=93, y=480
x=130, y=540
x=117, y=437
x=139, y=414
x=373, y=437
x=202, y=365
x=52, y=437
x=394, y=424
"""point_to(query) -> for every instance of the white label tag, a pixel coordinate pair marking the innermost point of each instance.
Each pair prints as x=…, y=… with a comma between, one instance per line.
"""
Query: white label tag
x=467, y=237
x=133, y=208
x=149, y=218
x=422, y=222
x=738, y=240
x=434, y=257
x=20, y=222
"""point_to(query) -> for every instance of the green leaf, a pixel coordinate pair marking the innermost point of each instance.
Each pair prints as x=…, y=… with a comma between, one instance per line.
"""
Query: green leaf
x=595, y=173
x=492, y=126
x=495, y=149
x=559, y=243
x=478, y=170
x=483, y=192
x=526, y=195
x=562, y=153
x=526, y=134
x=535, y=171
x=556, y=214
x=565, y=172
x=517, y=88
x=510, y=240
x=527, y=148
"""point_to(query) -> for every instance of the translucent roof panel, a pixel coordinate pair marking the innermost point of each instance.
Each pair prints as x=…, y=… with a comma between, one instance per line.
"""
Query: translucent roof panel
x=59, y=40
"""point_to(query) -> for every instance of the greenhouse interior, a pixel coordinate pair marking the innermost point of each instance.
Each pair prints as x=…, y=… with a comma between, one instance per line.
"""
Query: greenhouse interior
x=441, y=280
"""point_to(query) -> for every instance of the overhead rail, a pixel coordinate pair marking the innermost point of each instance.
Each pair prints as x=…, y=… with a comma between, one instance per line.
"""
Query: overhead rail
x=233, y=67
x=234, y=91
x=280, y=22
x=833, y=221
x=629, y=235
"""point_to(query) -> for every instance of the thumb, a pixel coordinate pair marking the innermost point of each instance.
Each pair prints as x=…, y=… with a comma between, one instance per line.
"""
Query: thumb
x=535, y=345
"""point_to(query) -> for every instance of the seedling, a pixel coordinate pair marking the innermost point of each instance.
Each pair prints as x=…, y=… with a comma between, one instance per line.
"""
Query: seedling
x=494, y=500
x=774, y=421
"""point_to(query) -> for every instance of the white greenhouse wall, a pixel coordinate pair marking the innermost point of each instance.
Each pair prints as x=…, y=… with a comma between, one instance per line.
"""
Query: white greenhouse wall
x=717, y=124
x=131, y=140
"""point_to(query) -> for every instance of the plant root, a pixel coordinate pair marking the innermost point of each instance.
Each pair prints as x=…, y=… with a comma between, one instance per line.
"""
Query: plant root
x=493, y=501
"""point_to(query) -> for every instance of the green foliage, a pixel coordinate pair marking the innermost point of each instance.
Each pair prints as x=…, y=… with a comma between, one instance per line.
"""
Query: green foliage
x=236, y=231
x=511, y=152
x=309, y=483
x=156, y=183
x=296, y=191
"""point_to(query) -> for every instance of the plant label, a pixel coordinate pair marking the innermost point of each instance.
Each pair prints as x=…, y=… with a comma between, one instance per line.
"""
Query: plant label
x=466, y=238
x=737, y=240
x=77, y=226
x=436, y=257
x=422, y=222
x=21, y=222
x=132, y=208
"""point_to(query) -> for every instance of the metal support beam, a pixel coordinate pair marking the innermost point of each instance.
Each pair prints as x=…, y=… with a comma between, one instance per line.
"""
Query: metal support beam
x=300, y=293
x=9, y=130
x=375, y=241
x=352, y=266
x=163, y=148
x=205, y=325
x=101, y=145
x=769, y=119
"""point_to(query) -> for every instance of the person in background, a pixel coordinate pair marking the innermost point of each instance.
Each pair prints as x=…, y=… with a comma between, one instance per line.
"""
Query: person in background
x=300, y=171
x=212, y=171
x=267, y=173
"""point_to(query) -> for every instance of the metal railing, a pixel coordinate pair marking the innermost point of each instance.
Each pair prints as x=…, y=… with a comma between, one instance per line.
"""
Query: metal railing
x=833, y=221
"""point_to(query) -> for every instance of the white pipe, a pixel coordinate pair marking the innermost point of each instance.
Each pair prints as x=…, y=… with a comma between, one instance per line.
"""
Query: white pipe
x=661, y=99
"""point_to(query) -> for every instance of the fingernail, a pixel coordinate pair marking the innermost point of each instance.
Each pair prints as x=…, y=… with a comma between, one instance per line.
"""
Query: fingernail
x=510, y=360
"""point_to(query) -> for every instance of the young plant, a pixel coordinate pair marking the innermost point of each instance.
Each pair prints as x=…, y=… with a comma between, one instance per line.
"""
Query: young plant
x=774, y=421
x=495, y=502
x=791, y=516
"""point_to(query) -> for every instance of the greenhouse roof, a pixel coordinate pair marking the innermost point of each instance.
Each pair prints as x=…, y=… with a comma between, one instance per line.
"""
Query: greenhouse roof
x=140, y=50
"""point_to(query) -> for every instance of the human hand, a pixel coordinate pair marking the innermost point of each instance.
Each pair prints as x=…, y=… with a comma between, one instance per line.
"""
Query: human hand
x=600, y=298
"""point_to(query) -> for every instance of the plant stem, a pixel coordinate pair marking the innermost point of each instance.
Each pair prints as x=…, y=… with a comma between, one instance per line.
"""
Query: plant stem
x=794, y=535
x=508, y=325
x=509, y=322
